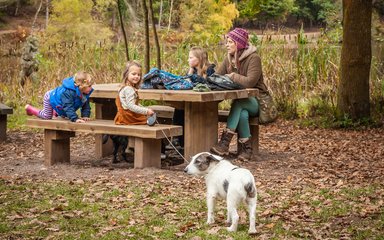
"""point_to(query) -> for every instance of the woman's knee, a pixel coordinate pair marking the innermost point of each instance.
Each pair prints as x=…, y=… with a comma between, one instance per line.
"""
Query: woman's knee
x=244, y=115
x=235, y=104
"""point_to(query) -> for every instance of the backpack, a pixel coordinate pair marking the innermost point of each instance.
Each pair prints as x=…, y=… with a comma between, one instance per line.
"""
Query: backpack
x=267, y=110
x=159, y=79
x=218, y=82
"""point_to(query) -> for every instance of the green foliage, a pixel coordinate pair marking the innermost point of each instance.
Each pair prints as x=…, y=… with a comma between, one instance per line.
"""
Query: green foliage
x=249, y=9
x=323, y=11
x=378, y=6
x=301, y=37
x=326, y=8
x=253, y=39
x=213, y=19
x=72, y=21
x=312, y=106
x=276, y=9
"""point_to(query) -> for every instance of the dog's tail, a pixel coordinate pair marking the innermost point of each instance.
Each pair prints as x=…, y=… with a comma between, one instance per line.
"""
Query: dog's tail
x=250, y=189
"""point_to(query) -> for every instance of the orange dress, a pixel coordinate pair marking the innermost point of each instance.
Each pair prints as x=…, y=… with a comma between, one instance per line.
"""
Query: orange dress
x=127, y=117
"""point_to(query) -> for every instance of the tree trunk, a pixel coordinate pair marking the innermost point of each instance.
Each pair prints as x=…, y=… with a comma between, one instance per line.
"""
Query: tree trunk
x=36, y=14
x=353, y=89
x=146, y=35
x=113, y=20
x=123, y=29
x=158, y=54
x=160, y=13
x=17, y=7
x=170, y=16
x=46, y=14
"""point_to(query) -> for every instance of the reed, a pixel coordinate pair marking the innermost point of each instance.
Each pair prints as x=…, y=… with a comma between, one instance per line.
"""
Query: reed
x=302, y=77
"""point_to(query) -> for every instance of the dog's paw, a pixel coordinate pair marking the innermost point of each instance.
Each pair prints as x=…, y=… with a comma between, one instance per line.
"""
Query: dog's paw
x=210, y=221
x=252, y=231
x=228, y=223
x=231, y=229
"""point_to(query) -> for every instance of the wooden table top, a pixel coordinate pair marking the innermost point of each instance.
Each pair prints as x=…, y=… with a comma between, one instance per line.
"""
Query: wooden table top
x=109, y=91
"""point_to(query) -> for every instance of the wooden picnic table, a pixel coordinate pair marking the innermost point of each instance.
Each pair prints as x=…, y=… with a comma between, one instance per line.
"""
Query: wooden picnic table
x=201, y=111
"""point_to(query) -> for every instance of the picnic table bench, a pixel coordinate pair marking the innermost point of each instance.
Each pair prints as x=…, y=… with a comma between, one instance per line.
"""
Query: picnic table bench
x=57, y=134
x=165, y=115
x=4, y=111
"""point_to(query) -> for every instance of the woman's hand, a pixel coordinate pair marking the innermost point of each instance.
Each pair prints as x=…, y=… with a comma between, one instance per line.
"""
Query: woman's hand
x=86, y=119
x=79, y=120
x=150, y=112
x=231, y=75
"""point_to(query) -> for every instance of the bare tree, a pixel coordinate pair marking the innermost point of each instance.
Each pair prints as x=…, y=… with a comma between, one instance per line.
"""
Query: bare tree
x=119, y=6
x=160, y=13
x=353, y=89
x=37, y=13
x=46, y=14
x=17, y=7
x=170, y=16
x=158, y=53
x=146, y=36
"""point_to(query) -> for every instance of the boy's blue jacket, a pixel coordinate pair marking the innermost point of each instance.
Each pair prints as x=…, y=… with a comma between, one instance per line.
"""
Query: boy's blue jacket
x=67, y=99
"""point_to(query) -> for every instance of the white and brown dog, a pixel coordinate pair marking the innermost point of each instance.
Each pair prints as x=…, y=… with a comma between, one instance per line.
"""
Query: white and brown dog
x=223, y=179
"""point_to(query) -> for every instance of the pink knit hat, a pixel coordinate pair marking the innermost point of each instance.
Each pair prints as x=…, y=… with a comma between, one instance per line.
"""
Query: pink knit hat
x=240, y=36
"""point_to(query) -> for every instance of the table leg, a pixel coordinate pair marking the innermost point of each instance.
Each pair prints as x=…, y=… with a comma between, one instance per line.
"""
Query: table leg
x=147, y=153
x=201, y=127
x=3, y=127
x=57, y=146
x=106, y=110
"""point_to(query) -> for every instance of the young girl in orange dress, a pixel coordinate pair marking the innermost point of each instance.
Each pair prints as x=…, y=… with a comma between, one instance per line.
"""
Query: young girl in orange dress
x=129, y=112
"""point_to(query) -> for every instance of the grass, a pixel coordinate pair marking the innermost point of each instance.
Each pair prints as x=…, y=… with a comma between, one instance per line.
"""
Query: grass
x=132, y=209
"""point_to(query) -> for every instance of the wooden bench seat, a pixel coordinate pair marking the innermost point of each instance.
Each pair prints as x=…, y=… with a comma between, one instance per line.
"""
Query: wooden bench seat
x=165, y=115
x=4, y=111
x=57, y=133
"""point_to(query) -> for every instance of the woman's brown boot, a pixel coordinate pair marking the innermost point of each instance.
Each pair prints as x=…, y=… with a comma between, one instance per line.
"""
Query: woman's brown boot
x=244, y=150
x=222, y=147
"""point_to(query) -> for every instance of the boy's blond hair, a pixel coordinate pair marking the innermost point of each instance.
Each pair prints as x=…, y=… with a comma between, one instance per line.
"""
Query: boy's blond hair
x=83, y=79
x=201, y=54
x=128, y=65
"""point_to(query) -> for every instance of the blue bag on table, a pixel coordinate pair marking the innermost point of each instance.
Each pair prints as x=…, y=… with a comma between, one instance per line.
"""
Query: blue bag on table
x=159, y=79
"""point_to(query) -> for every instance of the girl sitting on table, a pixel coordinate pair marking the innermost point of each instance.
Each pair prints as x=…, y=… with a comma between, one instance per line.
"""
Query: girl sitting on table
x=199, y=70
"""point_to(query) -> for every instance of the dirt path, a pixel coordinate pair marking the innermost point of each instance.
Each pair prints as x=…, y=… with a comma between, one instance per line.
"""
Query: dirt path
x=287, y=153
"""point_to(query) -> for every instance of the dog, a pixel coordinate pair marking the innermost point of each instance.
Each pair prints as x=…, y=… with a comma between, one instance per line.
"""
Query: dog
x=225, y=180
x=119, y=142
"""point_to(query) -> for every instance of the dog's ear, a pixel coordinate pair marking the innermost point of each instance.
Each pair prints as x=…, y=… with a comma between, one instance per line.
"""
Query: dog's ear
x=212, y=157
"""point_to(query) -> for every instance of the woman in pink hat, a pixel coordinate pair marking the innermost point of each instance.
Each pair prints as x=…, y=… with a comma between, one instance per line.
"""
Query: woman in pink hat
x=243, y=66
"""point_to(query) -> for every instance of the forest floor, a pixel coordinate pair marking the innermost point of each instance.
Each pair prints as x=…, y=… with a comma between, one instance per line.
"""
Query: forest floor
x=319, y=183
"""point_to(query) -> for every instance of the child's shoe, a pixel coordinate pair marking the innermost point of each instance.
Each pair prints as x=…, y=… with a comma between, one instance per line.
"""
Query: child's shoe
x=32, y=111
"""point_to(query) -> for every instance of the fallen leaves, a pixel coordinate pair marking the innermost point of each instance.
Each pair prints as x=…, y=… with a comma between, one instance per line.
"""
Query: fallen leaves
x=315, y=184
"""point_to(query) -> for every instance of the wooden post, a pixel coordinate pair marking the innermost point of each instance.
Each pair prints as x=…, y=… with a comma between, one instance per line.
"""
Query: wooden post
x=108, y=111
x=254, y=139
x=3, y=127
x=203, y=125
x=57, y=145
x=4, y=110
x=147, y=153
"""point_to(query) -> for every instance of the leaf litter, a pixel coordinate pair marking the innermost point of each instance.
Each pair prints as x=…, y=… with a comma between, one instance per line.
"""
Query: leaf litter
x=312, y=183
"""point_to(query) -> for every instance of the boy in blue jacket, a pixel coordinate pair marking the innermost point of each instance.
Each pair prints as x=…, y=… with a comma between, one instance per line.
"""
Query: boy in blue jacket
x=66, y=99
